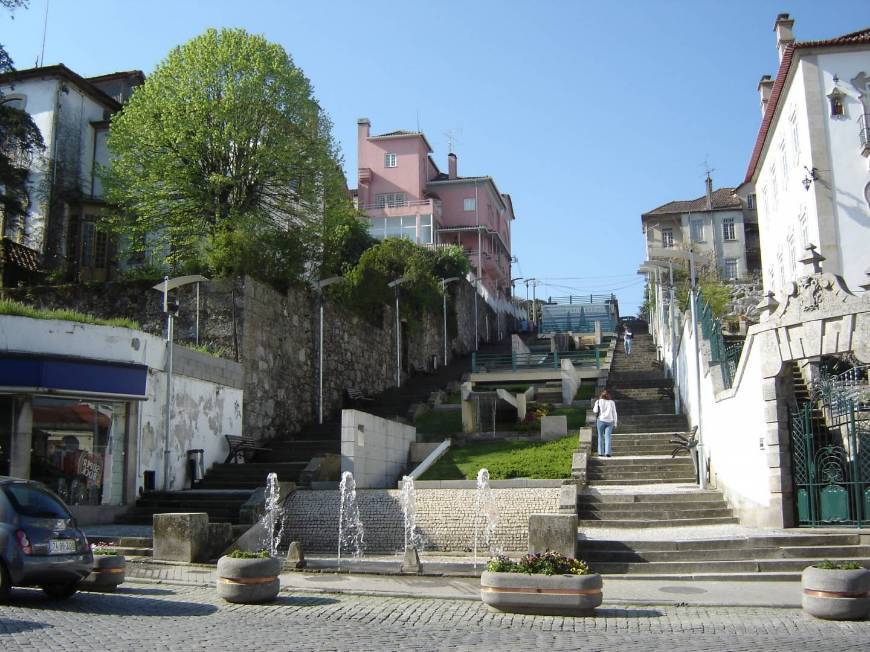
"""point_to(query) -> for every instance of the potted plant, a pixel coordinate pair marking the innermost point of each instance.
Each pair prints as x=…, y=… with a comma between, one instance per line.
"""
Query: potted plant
x=836, y=590
x=542, y=583
x=108, y=570
x=248, y=577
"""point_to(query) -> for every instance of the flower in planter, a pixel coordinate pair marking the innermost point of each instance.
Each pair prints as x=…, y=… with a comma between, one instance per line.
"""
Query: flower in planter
x=103, y=548
x=546, y=563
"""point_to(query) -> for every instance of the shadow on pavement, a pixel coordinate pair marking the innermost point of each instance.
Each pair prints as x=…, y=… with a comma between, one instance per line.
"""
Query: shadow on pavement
x=302, y=601
x=19, y=626
x=122, y=590
x=112, y=604
x=628, y=613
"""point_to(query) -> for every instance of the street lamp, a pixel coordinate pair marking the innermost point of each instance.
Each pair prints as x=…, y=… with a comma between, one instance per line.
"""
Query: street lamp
x=669, y=254
x=171, y=309
x=319, y=284
x=396, y=284
x=444, y=282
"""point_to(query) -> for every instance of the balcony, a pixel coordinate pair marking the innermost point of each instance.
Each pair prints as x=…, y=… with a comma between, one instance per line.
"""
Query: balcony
x=864, y=133
x=402, y=208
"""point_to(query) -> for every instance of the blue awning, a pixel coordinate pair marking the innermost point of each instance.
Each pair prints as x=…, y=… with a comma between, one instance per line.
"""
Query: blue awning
x=72, y=376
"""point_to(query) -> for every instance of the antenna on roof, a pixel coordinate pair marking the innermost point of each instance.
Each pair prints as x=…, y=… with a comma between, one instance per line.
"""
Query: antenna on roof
x=418, y=121
x=452, y=139
x=707, y=169
x=44, y=30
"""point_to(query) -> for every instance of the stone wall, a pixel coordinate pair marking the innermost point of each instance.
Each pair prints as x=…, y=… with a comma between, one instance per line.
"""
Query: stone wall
x=745, y=296
x=445, y=518
x=275, y=336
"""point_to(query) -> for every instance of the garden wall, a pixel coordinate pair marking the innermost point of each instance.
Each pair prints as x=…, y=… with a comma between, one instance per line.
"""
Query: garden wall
x=445, y=518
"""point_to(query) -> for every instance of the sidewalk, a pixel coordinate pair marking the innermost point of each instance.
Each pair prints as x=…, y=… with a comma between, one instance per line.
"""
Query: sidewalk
x=616, y=591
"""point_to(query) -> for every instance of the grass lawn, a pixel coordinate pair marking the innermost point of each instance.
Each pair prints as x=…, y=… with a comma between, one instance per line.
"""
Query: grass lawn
x=440, y=422
x=586, y=391
x=506, y=459
x=576, y=416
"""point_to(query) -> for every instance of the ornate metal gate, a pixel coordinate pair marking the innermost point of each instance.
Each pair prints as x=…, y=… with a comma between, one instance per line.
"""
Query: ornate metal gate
x=830, y=447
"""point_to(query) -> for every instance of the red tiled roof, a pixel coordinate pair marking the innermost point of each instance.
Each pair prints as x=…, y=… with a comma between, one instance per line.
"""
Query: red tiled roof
x=723, y=198
x=853, y=38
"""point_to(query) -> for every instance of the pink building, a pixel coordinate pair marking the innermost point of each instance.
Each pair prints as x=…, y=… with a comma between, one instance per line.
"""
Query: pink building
x=405, y=195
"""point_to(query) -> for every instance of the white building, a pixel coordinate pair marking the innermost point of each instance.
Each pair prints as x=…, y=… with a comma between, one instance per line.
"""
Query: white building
x=60, y=229
x=809, y=167
x=719, y=227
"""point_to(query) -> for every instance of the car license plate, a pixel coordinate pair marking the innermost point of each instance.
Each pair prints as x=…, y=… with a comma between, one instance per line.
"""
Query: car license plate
x=61, y=546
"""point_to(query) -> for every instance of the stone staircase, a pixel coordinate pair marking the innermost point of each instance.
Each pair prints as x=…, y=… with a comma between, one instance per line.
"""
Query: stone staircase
x=642, y=513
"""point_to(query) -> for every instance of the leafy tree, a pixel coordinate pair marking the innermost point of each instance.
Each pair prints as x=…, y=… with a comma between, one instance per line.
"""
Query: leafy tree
x=20, y=141
x=224, y=161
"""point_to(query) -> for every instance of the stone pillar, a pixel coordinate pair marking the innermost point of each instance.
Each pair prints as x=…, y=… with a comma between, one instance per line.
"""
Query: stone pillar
x=181, y=537
x=22, y=437
x=597, y=333
x=556, y=532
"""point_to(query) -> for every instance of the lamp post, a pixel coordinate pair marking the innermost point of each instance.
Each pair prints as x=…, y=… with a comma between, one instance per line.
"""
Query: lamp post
x=171, y=309
x=396, y=284
x=319, y=284
x=670, y=254
x=444, y=282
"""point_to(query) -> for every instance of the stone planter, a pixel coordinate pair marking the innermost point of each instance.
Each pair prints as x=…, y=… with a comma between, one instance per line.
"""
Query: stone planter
x=549, y=595
x=107, y=573
x=248, y=581
x=836, y=594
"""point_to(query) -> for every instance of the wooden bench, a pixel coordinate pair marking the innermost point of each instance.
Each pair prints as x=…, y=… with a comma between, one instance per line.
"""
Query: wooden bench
x=241, y=446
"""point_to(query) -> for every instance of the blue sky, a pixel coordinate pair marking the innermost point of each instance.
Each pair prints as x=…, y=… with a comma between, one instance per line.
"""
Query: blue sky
x=587, y=113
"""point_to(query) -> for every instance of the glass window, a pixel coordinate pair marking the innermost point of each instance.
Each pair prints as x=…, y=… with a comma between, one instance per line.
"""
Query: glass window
x=730, y=268
x=392, y=227
x=783, y=157
x=728, y=231
x=795, y=137
x=667, y=238
x=391, y=199
x=697, y=227
x=805, y=237
x=78, y=449
x=750, y=200
x=32, y=501
x=425, y=235
x=469, y=204
x=390, y=160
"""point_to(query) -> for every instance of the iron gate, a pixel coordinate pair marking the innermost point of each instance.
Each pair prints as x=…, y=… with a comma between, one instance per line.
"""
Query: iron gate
x=830, y=448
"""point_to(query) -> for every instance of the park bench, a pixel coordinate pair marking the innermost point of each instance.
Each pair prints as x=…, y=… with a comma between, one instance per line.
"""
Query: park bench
x=241, y=447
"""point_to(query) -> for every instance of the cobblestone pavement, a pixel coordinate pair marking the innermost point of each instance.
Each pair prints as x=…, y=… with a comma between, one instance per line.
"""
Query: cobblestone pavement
x=155, y=617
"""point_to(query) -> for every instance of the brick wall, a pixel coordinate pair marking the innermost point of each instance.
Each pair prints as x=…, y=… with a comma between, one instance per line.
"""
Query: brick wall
x=445, y=518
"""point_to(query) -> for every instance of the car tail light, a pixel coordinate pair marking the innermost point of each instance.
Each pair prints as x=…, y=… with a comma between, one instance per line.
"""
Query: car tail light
x=24, y=542
x=85, y=547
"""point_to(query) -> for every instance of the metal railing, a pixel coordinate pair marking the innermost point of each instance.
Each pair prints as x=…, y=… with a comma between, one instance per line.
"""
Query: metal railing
x=583, y=299
x=726, y=357
x=576, y=323
x=395, y=204
x=490, y=362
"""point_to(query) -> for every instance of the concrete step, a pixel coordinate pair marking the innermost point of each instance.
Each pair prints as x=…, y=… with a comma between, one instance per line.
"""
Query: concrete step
x=644, y=523
x=742, y=542
x=665, y=514
x=710, y=566
x=643, y=480
x=588, y=498
x=631, y=463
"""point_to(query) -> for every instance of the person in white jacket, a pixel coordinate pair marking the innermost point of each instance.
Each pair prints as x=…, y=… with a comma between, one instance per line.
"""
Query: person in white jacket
x=605, y=410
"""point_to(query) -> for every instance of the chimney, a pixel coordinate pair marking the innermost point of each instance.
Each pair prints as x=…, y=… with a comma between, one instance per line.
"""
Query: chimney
x=451, y=165
x=709, y=183
x=784, y=34
x=363, y=129
x=765, y=86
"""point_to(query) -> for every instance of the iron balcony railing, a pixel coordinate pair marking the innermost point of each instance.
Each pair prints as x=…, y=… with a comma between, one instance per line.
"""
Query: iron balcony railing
x=490, y=362
x=395, y=204
x=583, y=299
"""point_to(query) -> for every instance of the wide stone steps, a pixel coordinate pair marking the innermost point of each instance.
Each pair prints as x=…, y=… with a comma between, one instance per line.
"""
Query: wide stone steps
x=781, y=566
x=642, y=479
x=636, y=523
x=628, y=408
x=639, y=423
x=221, y=506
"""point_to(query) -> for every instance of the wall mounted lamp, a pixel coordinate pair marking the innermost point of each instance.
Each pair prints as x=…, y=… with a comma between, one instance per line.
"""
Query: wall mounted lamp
x=812, y=174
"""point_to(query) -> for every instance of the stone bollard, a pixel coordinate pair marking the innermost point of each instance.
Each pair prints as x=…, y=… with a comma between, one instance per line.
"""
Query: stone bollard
x=181, y=537
x=295, y=555
x=556, y=532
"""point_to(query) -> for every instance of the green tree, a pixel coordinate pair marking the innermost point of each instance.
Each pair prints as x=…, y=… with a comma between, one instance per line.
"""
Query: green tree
x=224, y=161
x=20, y=141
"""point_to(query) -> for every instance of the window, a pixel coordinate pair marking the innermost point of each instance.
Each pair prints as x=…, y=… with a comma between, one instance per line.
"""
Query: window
x=667, y=238
x=805, y=236
x=728, y=229
x=390, y=199
x=783, y=157
x=469, y=204
x=730, y=268
x=697, y=227
x=390, y=160
x=774, y=187
x=790, y=246
x=795, y=138
x=750, y=201
x=426, y=229
x=781, y=268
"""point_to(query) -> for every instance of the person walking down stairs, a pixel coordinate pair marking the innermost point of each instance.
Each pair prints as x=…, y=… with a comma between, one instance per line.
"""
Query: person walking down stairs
x=605, y=410
x=627, y=340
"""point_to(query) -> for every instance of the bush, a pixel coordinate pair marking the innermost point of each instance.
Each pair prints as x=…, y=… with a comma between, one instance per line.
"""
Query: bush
x=244, y=554
x=827, y=564
x=10, y=307
x=547, y=563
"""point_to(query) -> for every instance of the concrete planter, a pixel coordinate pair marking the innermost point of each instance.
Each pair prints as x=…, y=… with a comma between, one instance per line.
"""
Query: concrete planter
x=107, y=573
x=248, y=581
x=836, y=594
x=549, y=595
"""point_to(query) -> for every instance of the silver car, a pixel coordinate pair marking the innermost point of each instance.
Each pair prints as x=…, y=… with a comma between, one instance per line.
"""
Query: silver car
x=40, y=544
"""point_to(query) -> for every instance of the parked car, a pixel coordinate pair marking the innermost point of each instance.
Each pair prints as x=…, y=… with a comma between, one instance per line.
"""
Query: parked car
x=40, y=544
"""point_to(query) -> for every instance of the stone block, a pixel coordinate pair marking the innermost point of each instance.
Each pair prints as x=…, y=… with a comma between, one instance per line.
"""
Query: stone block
x=568, y=498
x=554, y=427
x=556, y=532
x=584, y=439
x=181, y=537
x=578, y=466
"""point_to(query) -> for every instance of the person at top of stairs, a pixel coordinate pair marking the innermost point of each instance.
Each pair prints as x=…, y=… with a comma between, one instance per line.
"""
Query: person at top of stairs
x=605, y=409
x=627, y=340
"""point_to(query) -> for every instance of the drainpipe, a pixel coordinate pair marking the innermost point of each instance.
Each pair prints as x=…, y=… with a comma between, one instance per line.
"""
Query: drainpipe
x=702, y=466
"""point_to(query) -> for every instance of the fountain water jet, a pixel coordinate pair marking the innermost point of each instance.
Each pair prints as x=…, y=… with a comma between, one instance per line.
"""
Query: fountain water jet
x=413, y=539
x=485, y=514
x=350, y=528
x=273, y=515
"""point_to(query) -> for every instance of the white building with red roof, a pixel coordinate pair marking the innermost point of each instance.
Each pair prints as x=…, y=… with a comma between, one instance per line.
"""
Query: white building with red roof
x=809, y=167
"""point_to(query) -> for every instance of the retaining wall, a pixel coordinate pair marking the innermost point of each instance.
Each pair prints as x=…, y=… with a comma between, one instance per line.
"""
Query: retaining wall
x=445, y=518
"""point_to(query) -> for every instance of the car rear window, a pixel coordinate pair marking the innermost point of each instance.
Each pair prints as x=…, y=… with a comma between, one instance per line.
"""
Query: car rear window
x=37, y=503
